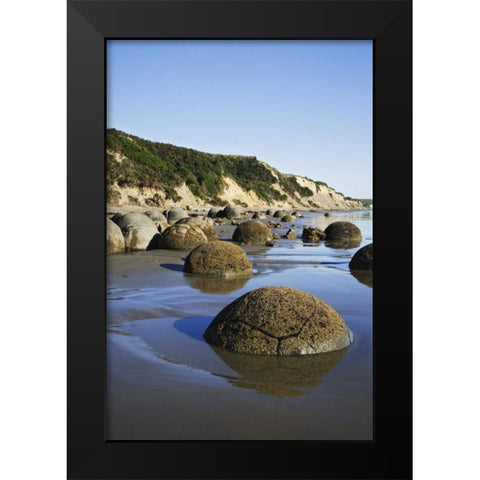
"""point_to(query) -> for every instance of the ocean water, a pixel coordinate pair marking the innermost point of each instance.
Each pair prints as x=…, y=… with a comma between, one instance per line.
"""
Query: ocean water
x=164, y=382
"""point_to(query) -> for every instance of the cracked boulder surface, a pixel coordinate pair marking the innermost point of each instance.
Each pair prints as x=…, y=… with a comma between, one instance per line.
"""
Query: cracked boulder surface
x=204, y=223
x=181, y=237
x=218, y=259
x=363, y=259
x=278, y=321
x=253, y=232
x=343, y=231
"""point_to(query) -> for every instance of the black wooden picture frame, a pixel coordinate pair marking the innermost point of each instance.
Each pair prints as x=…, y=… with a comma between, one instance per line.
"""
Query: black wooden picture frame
x=90, y=24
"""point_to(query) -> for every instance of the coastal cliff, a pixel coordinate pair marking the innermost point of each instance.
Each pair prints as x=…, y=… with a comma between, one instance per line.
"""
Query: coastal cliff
x=144, y=173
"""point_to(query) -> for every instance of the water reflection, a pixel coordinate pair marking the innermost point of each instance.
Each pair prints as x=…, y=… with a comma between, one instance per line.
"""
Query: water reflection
x=279, y=376
x=363, y=276
x=343, y=244
x=219, y=285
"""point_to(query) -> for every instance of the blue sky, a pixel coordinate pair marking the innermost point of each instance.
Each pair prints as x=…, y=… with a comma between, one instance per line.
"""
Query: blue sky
x=304, y=107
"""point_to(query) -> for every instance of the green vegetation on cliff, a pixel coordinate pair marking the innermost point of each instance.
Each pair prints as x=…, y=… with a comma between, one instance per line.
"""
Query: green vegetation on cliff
x=135, y=162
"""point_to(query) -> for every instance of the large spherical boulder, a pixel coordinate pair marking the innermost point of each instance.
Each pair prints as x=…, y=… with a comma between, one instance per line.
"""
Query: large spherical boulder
x=218, y=259
x=287, y=218
x=297, y=213
x=158, y=219
x=258, y=216
x=213, y=212
x=155, y=215
x=343, y=231
x=115, y=239
x=138, y=230
x=363, y=259
x=313, y=234
x=140, y=237
x=175, y=214
x=181, y=237
x=253, y=232
x=205, y=224
x=230, y=212
x=271, y=211
x=278, y=321
x=123, y=221
x=280, y=213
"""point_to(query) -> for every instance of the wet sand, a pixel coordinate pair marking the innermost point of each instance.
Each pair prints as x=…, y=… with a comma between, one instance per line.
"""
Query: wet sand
x=164, y=382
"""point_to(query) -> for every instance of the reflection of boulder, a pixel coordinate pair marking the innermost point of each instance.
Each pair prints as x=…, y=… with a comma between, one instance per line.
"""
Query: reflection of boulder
x=219, y=285
x=363, y=259
x=363, y=276
x=278, y=321
x=279, y=376
x=343, y=244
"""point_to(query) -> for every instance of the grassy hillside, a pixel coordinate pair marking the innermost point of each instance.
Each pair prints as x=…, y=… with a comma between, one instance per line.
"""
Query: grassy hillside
x=135, y=162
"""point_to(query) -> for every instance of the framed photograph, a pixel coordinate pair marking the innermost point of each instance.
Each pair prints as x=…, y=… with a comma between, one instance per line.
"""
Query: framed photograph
x=226, y=318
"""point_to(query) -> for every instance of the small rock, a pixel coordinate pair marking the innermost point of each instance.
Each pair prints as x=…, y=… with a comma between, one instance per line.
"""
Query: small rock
x=313, y=234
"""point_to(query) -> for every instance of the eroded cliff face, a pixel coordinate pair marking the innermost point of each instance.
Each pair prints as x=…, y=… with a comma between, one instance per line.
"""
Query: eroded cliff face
x=151, y=174
x=323, y=197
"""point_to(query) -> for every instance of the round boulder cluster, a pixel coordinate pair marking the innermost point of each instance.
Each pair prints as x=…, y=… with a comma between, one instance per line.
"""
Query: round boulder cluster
x=218, y=259
x=278, y=321
x=205, y=224
x=181, y=237
x=363, y=259
x=253, y=232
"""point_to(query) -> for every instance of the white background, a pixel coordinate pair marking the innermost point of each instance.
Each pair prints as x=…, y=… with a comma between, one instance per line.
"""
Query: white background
x=33, y=240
